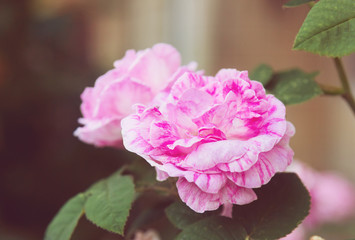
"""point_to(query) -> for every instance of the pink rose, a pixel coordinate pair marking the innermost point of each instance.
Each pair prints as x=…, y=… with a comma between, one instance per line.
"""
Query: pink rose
x=137, y=78
x=221, y=136
x=332, y=197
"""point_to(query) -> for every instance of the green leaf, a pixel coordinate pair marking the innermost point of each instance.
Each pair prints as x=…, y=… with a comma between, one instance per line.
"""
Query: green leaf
x=148, y=209
x=214, y=228
x=296, y=3
x=329, y=29
x=261, y=73
x=282, y=204
x=64, y=223
x=294, y=86
x=182, y=216
x=143, y=173
x=109, y=202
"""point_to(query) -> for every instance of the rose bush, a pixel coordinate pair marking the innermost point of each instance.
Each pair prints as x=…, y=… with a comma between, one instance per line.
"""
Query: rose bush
x=332, y=198
x=221, y=136
x=137, y=78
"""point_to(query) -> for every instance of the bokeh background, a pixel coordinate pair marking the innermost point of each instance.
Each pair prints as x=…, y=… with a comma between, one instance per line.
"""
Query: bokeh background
x=51, y=50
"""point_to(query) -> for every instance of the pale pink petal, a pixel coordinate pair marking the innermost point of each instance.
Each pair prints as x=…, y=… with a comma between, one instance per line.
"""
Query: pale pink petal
x=136, y=131
x=194, y=102
x=232, y=193
x=185, y=145
x=196, y=199
x=242, y=154
x=226, y=74
x=209, y=183
x=155, y=67
x=227, y=210
x=109, y=77
x=100, y=132
x=201, y=201
x=269, y=163
x=191, y=67
x=162, y=133
x=211, y=133
x=216, y=115
x=126, y=61
x=187, y=81
x=269, y=135
x=118, y=98
x=208, y=155
x=233, y=80
x=88, y=103
x=181, y=120
x=161, y=175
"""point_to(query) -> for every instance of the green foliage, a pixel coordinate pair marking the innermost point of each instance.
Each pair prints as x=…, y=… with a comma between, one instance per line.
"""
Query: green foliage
x=329, y=29
x=294, y=86
x=282, y=204
x=262, y=73
x=143, y=173
x=182, y=216
x=109, y=202
x=213, y=228
x=64, y=223
x=148, y=212
x=296, y=3
x=291, y=87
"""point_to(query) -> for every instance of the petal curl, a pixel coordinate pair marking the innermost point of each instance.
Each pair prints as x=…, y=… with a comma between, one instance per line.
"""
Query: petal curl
x=196, y=199
x=118, y=98
x=100, y=133
x=200, y=201
x=208, y=155
x=275, y=160
x=270, y=134
x=155, y=66
x=136, y=131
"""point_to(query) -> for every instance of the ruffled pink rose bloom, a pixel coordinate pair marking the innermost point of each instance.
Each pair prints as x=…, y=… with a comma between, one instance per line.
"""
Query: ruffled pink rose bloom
x=221, y=136
x=332, y=198
x=137, y=78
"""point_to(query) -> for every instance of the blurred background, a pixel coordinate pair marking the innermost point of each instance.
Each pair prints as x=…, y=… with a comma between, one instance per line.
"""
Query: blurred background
x=51, y=50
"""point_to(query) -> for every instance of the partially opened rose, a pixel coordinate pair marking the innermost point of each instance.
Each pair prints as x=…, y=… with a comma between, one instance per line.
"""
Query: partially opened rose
x=221, y=136
x=137, y=78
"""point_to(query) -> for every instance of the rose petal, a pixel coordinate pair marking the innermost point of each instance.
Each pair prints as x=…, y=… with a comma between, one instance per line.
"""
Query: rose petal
x=275, y=160
x=227, y=210
x=156, y=66
x=208, y=155
x=118, y=98
x=200, y=201
x=100, y=133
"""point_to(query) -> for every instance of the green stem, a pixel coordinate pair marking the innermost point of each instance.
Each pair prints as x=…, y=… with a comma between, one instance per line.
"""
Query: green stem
x=311, y=4
x=347, y=95
x=331, y=90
